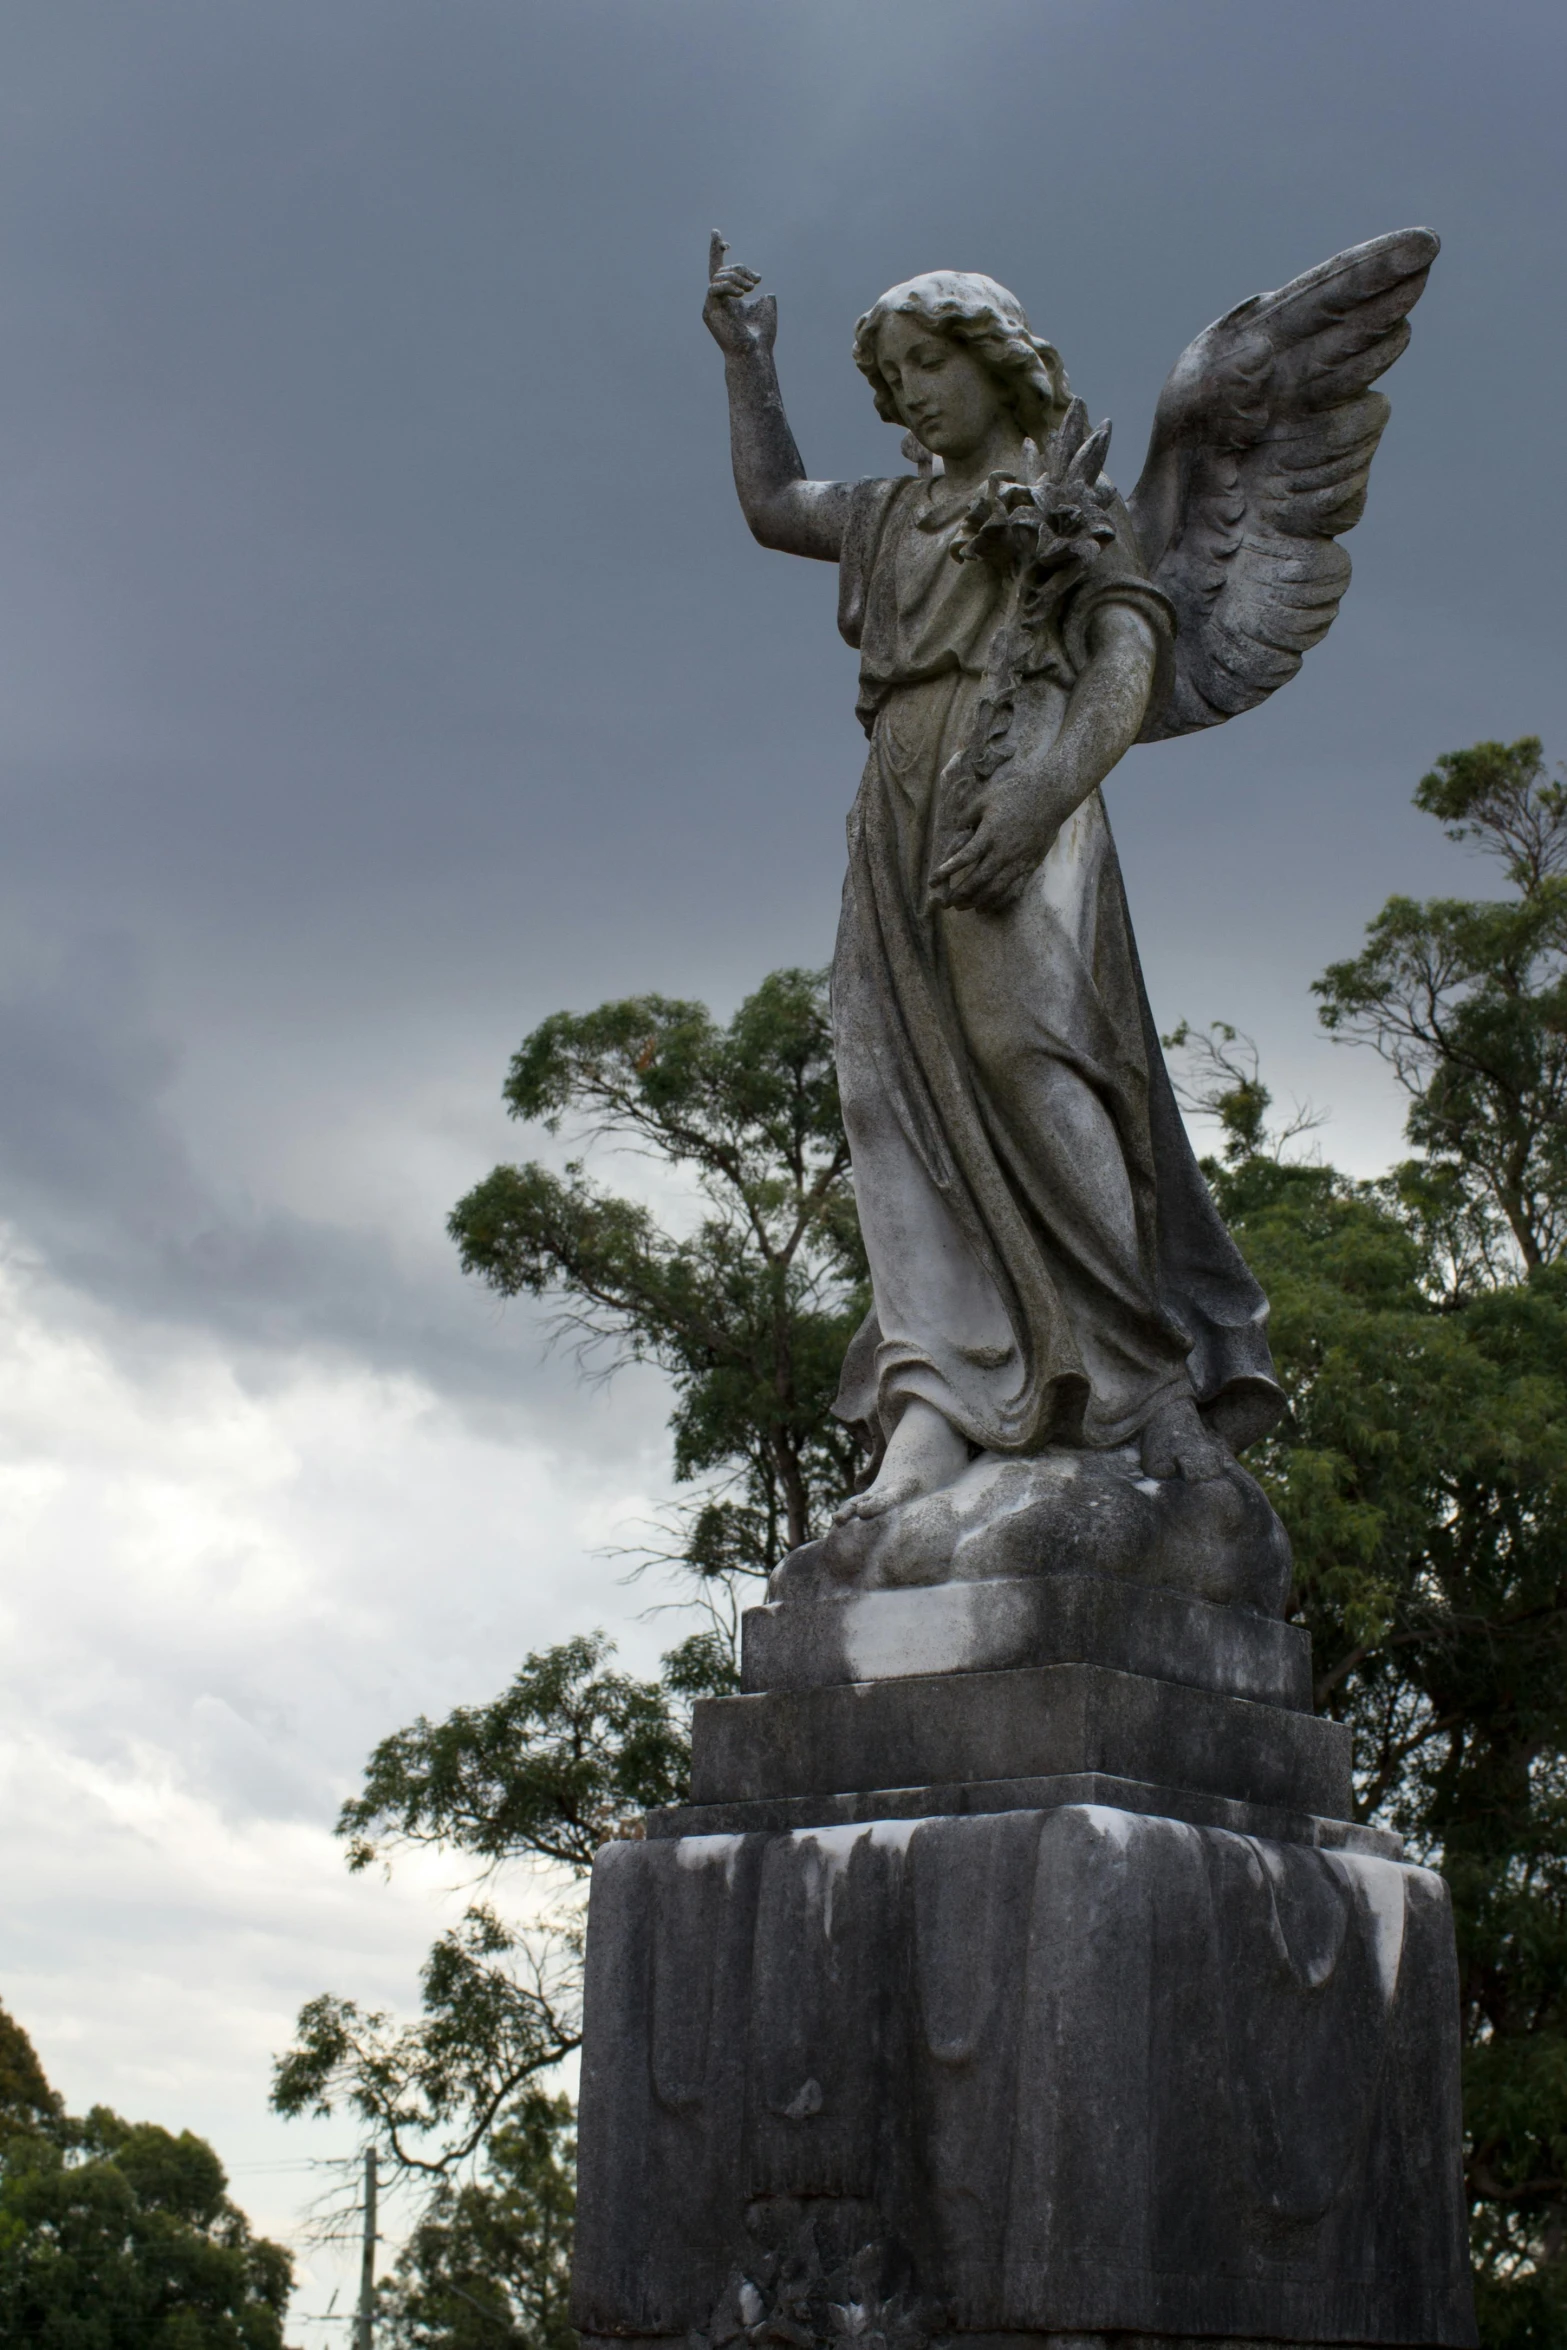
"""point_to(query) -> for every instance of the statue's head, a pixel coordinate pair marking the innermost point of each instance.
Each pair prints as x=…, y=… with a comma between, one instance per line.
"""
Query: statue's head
x=986, y=323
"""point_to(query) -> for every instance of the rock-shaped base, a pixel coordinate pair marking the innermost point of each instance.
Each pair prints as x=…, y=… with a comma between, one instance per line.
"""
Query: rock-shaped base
x=1063, y=1511
x=1061, y=2074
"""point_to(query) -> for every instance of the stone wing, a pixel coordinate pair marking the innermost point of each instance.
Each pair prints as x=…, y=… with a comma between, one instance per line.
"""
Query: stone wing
x=1260, y=454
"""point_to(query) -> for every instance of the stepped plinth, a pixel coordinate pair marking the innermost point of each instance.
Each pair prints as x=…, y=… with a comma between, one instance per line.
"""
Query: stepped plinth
x=1017, y=1972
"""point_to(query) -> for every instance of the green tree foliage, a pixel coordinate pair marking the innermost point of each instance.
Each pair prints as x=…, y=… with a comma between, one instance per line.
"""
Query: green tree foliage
x=749, y=1312
x=571, y=1753
x=561, y=1760
x=1434, y=1421
x=1467, y=1002
x=1422, y=1473
x=1420, y=1329
x=27, y=2103
x=120, y=2235
x=490, y=2259
x=499, y=2004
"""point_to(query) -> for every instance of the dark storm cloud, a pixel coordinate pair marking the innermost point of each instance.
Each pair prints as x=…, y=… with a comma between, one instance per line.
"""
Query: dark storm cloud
x=95, y=1172
x=384, y=659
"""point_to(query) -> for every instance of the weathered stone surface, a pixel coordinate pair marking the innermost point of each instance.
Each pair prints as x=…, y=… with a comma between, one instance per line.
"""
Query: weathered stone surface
x=791, y=1812
x=1075, y=2340
x=1068, y=2073
x=1045, y=1620
x=1063, y=1511
x=1163, y=2068
x=1035, y=1723
x=1047, y=1265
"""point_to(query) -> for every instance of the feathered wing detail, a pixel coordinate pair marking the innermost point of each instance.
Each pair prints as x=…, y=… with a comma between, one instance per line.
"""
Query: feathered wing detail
x=1261, y=449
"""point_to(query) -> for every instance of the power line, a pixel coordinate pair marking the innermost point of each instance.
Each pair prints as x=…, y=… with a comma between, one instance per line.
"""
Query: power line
x=309, y=2162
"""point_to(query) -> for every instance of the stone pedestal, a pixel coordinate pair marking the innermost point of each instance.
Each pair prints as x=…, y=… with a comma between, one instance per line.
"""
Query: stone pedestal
x=1016, y=1971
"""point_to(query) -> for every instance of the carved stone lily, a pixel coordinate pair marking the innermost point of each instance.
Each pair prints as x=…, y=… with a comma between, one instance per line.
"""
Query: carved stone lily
x=1049, y=526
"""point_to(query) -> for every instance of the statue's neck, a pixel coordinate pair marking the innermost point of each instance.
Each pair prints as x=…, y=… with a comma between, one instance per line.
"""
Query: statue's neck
x=1001, y=451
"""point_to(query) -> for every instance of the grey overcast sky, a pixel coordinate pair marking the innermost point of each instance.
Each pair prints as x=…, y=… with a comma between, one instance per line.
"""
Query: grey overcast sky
x=383, y=663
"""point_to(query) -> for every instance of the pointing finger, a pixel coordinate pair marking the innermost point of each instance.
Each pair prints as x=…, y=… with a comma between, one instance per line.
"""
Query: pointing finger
x=717, y=247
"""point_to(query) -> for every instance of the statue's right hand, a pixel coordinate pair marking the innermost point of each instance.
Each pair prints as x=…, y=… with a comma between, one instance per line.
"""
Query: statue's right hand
x=735, y=324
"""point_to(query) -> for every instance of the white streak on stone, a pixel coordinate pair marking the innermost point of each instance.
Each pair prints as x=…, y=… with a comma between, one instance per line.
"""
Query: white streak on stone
x=894, y=1835
x=1382, y=1886
x=1060, y=880
x=834, y=1850
x=835, y=1844
x=705, y=1852
x=892, y=1635
x=1116, y=1827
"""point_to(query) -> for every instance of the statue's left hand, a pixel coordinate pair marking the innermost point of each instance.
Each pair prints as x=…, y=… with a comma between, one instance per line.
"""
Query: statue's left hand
x=1012, y=837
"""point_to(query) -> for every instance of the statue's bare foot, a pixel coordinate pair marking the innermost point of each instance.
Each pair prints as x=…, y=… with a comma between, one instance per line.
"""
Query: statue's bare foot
x=924, y=1452
x=1176, y=1444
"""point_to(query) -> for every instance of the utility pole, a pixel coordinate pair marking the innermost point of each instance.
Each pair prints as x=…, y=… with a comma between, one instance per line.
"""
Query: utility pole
x=364, y=2320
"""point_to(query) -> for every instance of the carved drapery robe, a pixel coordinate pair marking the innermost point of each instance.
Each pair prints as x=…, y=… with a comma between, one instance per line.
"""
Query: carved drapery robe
x=1047, y=1264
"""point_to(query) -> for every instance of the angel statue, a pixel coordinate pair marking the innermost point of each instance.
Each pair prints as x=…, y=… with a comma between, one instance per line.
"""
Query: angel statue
x=1061, y=1322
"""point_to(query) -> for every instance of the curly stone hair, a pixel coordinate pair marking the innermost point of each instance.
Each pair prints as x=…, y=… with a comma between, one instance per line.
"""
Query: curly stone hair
x=986, y=320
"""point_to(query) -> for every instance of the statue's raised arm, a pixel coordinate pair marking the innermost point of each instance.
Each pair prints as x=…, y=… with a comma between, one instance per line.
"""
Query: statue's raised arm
x=784, y=510
x=1261, y=450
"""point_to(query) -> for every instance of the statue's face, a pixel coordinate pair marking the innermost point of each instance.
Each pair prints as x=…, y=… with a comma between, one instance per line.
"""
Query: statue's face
x=943, y=393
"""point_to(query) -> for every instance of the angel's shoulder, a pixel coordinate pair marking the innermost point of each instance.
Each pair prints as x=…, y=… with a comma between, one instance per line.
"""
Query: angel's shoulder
x=869, y=507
